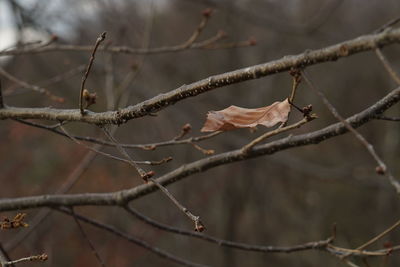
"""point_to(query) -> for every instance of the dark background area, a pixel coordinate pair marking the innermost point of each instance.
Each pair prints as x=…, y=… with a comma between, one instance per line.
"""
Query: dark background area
x=288, y=198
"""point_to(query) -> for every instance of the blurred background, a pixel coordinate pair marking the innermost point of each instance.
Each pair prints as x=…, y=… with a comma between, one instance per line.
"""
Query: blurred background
x=288, y=198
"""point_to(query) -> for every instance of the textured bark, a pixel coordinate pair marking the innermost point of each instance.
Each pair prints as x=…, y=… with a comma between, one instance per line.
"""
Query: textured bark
x=124, y=196
x=155, y=104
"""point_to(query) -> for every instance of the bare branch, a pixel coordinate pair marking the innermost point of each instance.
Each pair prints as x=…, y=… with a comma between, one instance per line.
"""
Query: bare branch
x=147, y=176
x=89, y=66
x=279, y=130
x=381, y=169
x=42, y=257
x=382, y=117
x=85, y=236
x=1, y=96
x=4, y=256
x=124, y=196
x=296, y=82
x=206, y=16
x=98, y=151
x=226, y=243
x=387, y=65
x=143, y=174
x=35, y=88
x=209, y=44
x=132, y=239
x=149, y=146
x=373, y=240
x=71, y=179
x=332, y=53
x=387, y=25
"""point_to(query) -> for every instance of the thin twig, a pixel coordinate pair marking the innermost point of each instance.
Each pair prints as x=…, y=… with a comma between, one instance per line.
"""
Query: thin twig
x=63, y=76
x=149, y=146
x=32, y=87
x=144, y=162
x=296, y=82
x=386, y=118
x=258, y=140
x=89, y=66
x=143, y=174
x=132, y=239
x=247, y=43
x=389, y=24
x=109, y=81
x=85, y=236
x=184, y=131
x=203, y=23
x=350, y=263
x=198, y=225
x=209, y=44
x=226, y=243
x=147, y=176
x=1, y=95
x=345, y=252
x=385, y=260
x=376, y=238
x=4, y=257
x=71, y=179
x=201, y=45
x=136, y=68
x=42, y=257
x=387, y=65
x=381, y=169
x=56, y=79
x=202, y=150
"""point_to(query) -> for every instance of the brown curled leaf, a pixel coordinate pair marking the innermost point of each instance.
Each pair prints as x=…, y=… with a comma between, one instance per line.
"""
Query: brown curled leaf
x=235, y=117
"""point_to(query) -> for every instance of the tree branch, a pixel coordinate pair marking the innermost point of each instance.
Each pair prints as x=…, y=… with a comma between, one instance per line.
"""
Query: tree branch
x=89, y=66
x=226, y=243
x=157, y=103
x=124, y=196
x=130, y=238
x=148, y=146
x=381, y=168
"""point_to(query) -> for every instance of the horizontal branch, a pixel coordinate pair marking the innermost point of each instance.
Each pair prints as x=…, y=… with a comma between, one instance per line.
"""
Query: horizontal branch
x=311, y=57
x=146, y=146
x=124, y=196
x=132, y=239
x=322, y=244
x=202, y=45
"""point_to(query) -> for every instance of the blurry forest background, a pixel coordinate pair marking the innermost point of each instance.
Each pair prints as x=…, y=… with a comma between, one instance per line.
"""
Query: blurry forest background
x=291, y=197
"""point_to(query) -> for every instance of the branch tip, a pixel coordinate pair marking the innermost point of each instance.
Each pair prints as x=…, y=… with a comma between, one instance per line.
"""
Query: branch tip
x=207, y=12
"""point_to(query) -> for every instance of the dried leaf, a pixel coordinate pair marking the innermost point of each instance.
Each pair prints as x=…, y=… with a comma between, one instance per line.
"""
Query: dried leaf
x=235, y=117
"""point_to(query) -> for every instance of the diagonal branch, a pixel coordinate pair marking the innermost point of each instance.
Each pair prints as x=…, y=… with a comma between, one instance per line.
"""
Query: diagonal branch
x=279, y=130
x=132, y=239
x=381, y=168
x=124, y=196
x=388, y=67
x=157, y=103
x=147, y=176
x=32, y=87
x=85, y=236
x=1, y=96
x=226, y=243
